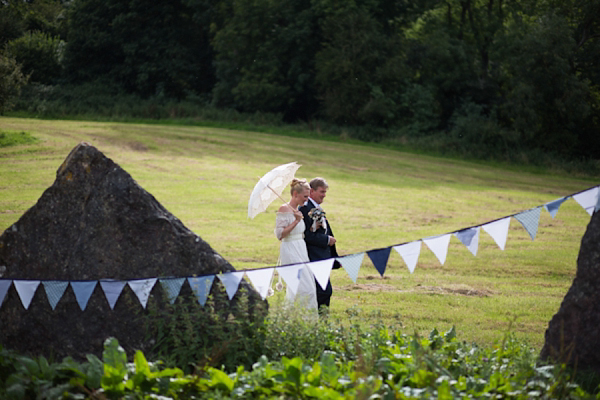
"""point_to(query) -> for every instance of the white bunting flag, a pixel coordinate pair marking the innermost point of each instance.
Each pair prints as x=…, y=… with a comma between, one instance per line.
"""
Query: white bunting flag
x=26, y=290
x=261, y=280
x=587, y=199
x=231, y=281
x=553, y=206
x=4, y=286
x=439, y=246
x=498, y=230
x=530, y=220
x=112, y=291
x=470, y=238
x=83, y=291
x=351, y=264
x=172, y=286
x=410, y=254
x=291, y=276
x=321, y=270
x=201, y=287
x=142, y=289
x=55, y=291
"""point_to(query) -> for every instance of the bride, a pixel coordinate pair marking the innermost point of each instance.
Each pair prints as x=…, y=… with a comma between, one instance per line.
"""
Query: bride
x=289, y=229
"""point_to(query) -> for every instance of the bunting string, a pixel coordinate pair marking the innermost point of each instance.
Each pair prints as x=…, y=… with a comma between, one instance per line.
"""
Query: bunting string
x=261, y=278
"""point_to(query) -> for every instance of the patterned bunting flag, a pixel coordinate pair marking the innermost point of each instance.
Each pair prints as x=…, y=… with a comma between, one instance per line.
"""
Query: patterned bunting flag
x=291, y=276
x=112, y=291
x=587, y=199
x=470, y=238
x=439, y=246
x=351, y=263
x=26, y=290
x=321, y=270
x=380, y=258
x=55, y=291
x=4, y=286
x=142, y=289
x=172, y=286
x=498, y=230
x=201, y=287
x=231, y=281
x=261, y=280
x=530, y=220
x=410, y=254
x=553, y=206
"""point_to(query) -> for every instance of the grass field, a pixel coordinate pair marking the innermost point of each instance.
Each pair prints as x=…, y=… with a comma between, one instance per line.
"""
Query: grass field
x=377, y=198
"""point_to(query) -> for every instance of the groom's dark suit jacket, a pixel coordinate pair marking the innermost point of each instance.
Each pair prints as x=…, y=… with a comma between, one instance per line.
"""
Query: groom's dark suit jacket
x=317, y=244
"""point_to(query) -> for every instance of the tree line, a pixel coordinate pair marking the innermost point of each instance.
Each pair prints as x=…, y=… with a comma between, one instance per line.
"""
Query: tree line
x=488, y=76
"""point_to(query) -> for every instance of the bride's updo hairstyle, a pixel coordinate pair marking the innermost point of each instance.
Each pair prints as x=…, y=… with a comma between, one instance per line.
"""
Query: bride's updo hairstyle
x=298, y=186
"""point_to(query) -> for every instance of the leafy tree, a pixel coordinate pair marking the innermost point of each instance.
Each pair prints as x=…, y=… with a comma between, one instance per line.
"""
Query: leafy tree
x=151, y=49
x=11, y=81
x=39, y=55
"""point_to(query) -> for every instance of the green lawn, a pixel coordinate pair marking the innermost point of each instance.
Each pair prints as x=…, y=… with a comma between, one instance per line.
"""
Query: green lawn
x=377, y=198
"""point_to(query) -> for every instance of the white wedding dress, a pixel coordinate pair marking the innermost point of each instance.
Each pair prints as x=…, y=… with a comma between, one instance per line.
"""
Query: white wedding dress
x=293, y=251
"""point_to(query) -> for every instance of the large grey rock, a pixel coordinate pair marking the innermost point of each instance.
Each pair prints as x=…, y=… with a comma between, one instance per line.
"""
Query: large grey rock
x=96, y=222
x=573, y=334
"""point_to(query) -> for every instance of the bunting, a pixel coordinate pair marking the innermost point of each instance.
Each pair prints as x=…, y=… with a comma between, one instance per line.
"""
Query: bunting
x=261, y=279
x=321, y=270
x=83, y=291
x=410, y=254
x=142, y=289
x=351, y=264
x=438, y=246
x=112, y=291
x=380, y=258
x=172, y=286
x=530, y=220
x=26, y=290
x=201, y=287
x=231, y=281
x=55, y=291
x=4, y=286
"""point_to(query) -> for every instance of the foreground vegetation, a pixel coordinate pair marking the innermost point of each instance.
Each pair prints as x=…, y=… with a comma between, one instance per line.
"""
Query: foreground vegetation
x=356, y=362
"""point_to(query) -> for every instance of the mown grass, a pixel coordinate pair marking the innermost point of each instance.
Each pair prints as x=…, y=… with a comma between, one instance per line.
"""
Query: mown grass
x=378, y=197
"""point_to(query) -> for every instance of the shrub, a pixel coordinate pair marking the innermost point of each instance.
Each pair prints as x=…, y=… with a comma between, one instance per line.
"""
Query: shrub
x=39, y=54
x=11, y=81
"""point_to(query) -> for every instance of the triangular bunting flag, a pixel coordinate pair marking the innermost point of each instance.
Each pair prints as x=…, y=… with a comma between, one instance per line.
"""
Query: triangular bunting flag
x=112, y=291
x=291, y=276
x=553, y=206
x=351, y=264
x=172, y=286
x=26, y=290
x=83, y=291
x=231, y=281
x=201, y=287
x=498, y=230
x=380, y=258
x=4, y=285
x=439, y=246
x=587, y=199
x=261, y=280
x=410, y=254
x=321, y=270
x=530, y=220
x=470, y=238
x=142, y=289
x=55, y=291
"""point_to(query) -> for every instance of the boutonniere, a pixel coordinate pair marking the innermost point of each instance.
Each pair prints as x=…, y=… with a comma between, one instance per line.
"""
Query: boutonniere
x=318, y=216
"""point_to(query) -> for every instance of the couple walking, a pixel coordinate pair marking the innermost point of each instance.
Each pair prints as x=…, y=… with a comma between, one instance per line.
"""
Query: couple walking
x=305, y=236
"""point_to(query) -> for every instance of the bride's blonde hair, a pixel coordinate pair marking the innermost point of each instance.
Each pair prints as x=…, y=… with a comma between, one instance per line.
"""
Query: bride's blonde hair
x=298, y=186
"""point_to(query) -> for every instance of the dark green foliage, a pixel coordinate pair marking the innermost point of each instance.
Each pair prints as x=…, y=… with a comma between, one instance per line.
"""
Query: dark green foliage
x=39, y=54
x=12, y=80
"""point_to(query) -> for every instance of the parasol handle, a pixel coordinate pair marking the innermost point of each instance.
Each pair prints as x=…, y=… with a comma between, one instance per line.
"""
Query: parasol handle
x=277, y=194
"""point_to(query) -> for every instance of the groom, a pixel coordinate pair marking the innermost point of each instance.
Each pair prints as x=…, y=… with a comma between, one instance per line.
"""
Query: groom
x=319, y=238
